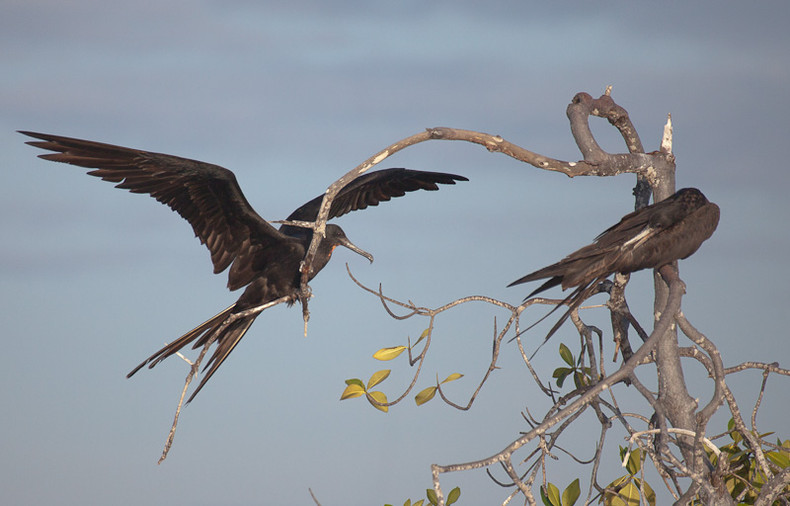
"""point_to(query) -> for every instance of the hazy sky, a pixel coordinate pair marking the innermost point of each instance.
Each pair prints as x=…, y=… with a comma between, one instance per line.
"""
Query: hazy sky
x=291, y=95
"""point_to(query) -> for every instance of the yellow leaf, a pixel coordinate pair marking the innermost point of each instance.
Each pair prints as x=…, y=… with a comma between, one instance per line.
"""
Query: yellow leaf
x=423, y=335
x=616, y=484
x=351, y=391
x=425, y=396
x=380, y=398
x=650, y=495
x=454, y=376
x=634, y=461
x=378, y=377
x=615, y=501
x=629, y=494
x=388, y=353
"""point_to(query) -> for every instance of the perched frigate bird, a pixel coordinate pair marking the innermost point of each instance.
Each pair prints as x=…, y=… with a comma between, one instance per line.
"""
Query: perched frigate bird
x=260, y=257
x=650, y=237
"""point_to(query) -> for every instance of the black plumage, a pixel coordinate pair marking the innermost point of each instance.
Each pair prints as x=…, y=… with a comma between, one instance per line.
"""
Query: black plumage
x=261, y=258
x=650, y=237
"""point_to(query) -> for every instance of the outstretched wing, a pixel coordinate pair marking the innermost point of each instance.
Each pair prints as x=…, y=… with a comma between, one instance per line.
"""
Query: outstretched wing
x=206, y=195
x=371, y=188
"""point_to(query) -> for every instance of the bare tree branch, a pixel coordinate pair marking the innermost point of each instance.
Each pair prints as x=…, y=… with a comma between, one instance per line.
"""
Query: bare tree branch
x=194, y=368
x=678, y=425
x=666, y=320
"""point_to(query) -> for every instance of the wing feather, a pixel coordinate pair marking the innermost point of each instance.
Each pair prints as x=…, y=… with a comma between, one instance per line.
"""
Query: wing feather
x=206, y=195
x=373, y=187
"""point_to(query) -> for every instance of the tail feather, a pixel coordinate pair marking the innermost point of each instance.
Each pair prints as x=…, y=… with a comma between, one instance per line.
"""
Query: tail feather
x=229, y=336
x=226, y=342
x=573, y=301
x=552, y=282
x=554, y=272
x=174, y=346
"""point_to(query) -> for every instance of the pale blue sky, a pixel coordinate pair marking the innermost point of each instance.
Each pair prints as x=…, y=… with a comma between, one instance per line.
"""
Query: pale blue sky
x=290, y=96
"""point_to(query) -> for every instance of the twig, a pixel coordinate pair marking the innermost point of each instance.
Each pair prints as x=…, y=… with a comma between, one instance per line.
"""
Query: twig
x=674, y=430
x=195, y=366
x=315, y=500
x=663, y=324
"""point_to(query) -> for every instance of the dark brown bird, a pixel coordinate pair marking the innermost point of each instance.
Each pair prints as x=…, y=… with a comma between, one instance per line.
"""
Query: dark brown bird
x=651, y=237
x=260, y=257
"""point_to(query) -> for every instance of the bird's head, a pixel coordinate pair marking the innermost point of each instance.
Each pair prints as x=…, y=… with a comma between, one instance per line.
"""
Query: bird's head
x=336, y=237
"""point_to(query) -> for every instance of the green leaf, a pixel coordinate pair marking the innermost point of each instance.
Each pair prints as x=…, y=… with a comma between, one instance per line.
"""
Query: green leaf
x=378, y=377
x=553, y=495
x=561, y=373
x=566, y=355
x=454, y=376
x=355, y=381
x=389, y=353
x=431, y=493
x=578, y=379
x=453, y=496
x=544, y=498
x=351, y=391
x=781, y=459
x=425, y=396
x=571, y=493
x=379, y=397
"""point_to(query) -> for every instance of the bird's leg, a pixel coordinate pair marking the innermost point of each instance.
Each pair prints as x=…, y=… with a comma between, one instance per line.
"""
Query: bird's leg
x=303, y=297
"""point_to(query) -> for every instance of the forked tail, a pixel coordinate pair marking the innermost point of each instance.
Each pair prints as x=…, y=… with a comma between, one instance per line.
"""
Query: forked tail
x=228, y=331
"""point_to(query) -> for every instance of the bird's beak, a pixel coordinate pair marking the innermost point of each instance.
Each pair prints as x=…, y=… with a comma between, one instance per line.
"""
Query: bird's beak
x=353, y=247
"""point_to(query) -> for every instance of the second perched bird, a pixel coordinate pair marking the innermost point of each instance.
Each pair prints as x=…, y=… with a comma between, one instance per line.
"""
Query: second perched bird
x=262, y=258
x=651, y=237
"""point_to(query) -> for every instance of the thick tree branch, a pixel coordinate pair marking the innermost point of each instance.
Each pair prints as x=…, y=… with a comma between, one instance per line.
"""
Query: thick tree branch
x=596, y=162
x=655, y=173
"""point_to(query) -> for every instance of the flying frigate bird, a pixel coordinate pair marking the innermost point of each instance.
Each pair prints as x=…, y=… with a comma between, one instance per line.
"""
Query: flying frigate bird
x=651, y=237
x=261, y=258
